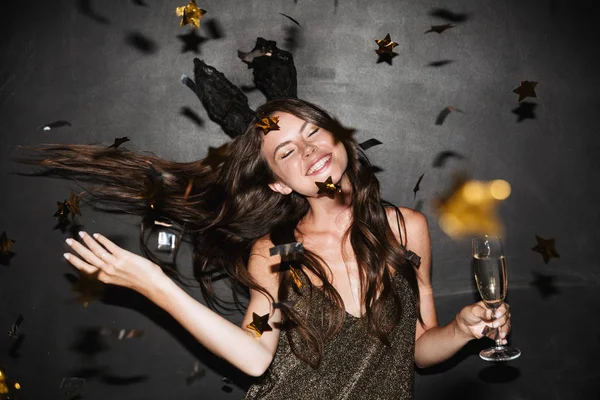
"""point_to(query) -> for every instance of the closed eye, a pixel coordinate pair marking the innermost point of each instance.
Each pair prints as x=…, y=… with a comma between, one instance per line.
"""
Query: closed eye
x=313, y=132
x=287, y=154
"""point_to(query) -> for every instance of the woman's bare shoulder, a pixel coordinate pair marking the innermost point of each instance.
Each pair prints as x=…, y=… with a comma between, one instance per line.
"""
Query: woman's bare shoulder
x=413, y=223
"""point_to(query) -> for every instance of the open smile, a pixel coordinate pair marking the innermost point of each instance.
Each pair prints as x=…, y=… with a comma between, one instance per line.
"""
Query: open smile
x=320, y=165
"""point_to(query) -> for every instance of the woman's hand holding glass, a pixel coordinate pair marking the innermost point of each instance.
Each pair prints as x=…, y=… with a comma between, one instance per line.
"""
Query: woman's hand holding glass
x=112, y=264
x=477, y=320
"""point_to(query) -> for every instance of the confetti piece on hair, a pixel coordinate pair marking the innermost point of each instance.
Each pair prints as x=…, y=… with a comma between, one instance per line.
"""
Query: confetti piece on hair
x=469, y=207
x=439, y=28
x=444, y=113
x=13, y=332
x=546, y=247
x=5, y=243
x=259, y=324
x=443, y=156
x=55, y=124
x=526, y=89
x=287, y=249
x=328, y=188
x=121, y=334
x=190, y=14
x=268, y=124
x=417, y=186
x=367, y=144
x=118, y=142
x=291, y=19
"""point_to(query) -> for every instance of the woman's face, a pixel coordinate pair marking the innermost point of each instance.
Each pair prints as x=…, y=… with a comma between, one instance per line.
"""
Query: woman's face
x=301, y=153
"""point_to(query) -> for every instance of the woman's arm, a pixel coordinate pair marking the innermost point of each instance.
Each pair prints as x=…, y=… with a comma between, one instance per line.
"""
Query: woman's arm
x=238, y=345
x=434, y=343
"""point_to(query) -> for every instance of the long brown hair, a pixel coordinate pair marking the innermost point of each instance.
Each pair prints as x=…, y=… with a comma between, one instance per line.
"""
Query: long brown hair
x=226, y=205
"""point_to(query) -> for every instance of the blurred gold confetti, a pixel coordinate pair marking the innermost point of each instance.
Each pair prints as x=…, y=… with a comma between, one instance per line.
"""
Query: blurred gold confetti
x=190, y=14
x=5, y=243
x=470, y=207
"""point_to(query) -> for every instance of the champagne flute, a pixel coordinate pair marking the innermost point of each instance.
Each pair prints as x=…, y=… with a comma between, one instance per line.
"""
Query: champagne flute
x=489, y=268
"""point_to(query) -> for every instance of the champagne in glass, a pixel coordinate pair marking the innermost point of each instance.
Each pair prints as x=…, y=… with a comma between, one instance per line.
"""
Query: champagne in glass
x=489, y=268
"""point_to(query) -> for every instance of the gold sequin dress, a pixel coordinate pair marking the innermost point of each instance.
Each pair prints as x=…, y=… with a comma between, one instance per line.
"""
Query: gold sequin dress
x=354, y=365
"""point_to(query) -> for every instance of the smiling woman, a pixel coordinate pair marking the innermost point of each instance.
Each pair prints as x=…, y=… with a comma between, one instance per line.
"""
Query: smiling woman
x=346, y=318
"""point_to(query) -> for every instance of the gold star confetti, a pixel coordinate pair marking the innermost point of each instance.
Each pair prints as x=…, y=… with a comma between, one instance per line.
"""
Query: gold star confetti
x=470, y=207
x=5, y=243
x=329, y=188
x=526, y=89
x=546, y=247
x=268, y=124
x=63, y=211
x=73, y=204
x=385, y=45
x=190, y=14
x=259, y=324
x=295, y=277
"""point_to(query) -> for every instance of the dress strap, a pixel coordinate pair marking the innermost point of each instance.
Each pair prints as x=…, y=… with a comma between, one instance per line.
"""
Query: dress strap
x=409, y=254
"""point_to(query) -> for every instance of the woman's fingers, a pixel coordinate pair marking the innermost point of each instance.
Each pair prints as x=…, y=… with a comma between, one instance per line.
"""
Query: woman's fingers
x=86, y=253
x=110, y=246
x=100, y=252
x=80, y=264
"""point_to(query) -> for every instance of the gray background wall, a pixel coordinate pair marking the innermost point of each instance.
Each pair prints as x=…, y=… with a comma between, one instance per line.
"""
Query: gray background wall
x=76, y=61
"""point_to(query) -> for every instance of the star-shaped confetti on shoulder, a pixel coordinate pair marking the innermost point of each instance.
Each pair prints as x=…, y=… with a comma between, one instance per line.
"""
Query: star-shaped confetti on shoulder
x=328, y=188
x=190, y=14
x=268, y=124
x=5, y=243
x=439, y=28
x=546, y=247
x=385, y=49
x=73, y=203
x=118, y=142
x=259, y=324
x=526, y=89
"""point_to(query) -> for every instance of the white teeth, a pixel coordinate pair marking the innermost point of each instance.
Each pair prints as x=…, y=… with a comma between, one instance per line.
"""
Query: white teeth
x=318, y=165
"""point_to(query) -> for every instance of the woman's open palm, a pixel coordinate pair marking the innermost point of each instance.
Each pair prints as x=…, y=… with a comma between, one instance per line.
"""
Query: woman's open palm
x=112, y=264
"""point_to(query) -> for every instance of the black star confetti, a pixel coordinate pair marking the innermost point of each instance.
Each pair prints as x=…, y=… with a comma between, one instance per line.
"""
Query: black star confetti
x=546, y=247
x=192, y=116
x=141, y=42
x=63, y=211
x=439, y=28
x=191, y=41
x=291, y=19
x=13, y=332
x=73, y=204
x=526, y=89
x=55, y=124
x=448, y=15
x=525, y=110
x=444, y=113
x=216, y=156
x=443, y=156
x=439, y=63
x=417, y=186
x=544, y=284
x=367, y=144
x=118, y=142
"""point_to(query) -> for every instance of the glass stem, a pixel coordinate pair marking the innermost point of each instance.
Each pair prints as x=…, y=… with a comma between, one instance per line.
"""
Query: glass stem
x=498, y=337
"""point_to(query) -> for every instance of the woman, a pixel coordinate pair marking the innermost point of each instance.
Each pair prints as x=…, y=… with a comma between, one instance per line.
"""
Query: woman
x=347, y=318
